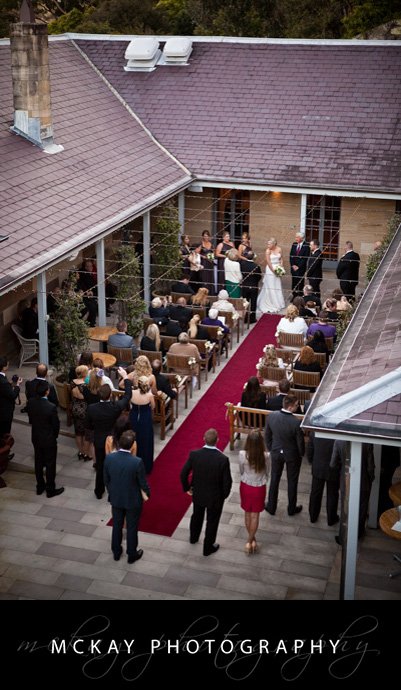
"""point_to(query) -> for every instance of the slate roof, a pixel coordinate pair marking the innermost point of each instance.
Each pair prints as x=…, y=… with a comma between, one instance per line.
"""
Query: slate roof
x=293, y=114
x=110, y=165
x=369, y=351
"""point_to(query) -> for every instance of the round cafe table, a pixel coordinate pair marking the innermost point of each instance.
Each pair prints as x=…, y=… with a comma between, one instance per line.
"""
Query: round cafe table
x=101, y=333
x=387, y=520
x=108, y=360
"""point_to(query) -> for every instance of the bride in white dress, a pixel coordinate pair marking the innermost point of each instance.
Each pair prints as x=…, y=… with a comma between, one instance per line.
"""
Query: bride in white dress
x=271, y=297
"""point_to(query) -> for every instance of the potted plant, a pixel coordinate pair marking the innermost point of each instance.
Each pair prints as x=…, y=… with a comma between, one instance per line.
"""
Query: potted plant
x=167, y=260
x=68, y=333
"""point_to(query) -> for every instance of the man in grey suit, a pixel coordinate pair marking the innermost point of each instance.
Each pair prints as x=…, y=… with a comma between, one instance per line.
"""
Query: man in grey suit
x=285, y=441
x=124, y=477
x=122, y=339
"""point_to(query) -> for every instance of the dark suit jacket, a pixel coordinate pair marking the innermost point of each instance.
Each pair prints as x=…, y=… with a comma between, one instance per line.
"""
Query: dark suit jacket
x=159, y=314
x=300, y=259
x=102, y=415
x=124, y=477
x=163, y=384
x=338, y=461
x=44, y=420
x=30, y=390
x=173, y=328
x=348, y=267
x=276, y=403
x=211, y=477
x=8, y=396
x=283, y=432
x=178, y=312
x=319, y=452
x=251, y=273
x=29, y=320
x=314, y=265
x=181, y=287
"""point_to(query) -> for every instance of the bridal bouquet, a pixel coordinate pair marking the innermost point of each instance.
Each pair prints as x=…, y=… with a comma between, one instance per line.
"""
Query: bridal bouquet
x=279, y=271
x=210, y=256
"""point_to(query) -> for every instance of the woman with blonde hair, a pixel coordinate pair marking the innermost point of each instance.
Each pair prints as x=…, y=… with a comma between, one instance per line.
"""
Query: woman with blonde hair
x=232, y=273
x=254, y=467
x=151, y=341
x=141, y=421
x=142, y=367
x=201, y=299
x=292, y=322
x=195, y=330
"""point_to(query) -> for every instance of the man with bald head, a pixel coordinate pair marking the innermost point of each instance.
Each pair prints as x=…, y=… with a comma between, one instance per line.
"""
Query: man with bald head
x=299, y=254
x=31, y=386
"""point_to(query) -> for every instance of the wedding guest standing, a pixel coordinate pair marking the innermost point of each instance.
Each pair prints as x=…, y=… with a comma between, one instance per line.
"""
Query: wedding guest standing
x=221, y=250
x=348, y=271
x=185, y=251
x=143, y=404
x=124, y=477
x=314, y=266
x=8, y=395
x=299, y=254
x=319, y=453
x=245, y=249
x=251, y=277
x=207, y=254
x=232, y=273
x=195, y=262
x=254, y=467
x=45, y=424
x=209, y=486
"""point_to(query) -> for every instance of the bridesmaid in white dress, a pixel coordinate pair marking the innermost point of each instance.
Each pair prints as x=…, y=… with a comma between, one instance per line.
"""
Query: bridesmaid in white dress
x=271, y=297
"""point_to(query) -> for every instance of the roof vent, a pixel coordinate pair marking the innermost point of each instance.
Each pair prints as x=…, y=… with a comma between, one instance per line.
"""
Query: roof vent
x=142, y=54
x=177, y=51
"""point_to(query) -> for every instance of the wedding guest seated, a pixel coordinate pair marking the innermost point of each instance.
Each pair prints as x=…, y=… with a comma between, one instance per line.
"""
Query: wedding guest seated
x=222, y=303
x=186, y=349
x=330, y=306
x=342, y=302
x=310, y=296
x=176, y=327
x=180, y=311
x=151, y=341
x=122, y=339
x=276, y=402
x=201, y=299
x=196, y=331
x=158, y=311
x=212, y=320
x=328, y=330
x=303, y=310
x=311, y=306
x=162, y=381
x=307, y=362
x=269, y=359
x=318, y=343
x=182, y=285
x=252, y=395
x=292, y=322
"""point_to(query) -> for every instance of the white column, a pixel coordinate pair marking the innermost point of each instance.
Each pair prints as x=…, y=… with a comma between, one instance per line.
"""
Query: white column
x=374, y=492
x=146, y=257
x=101, y=286
x=302, y=220
x=350, y=546
x=181, y=212
x=42, y=318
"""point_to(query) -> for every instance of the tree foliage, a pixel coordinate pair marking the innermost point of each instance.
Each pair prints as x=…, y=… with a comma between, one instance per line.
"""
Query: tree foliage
x=375, y=258
x=131, y=306
x=70, y=331
x=166, y=254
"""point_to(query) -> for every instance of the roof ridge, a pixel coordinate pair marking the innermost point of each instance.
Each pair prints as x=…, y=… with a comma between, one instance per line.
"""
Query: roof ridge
x=132, y=112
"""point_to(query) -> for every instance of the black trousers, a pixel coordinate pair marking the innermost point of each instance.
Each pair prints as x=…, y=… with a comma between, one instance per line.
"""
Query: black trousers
x=213, y=514
x=297, y=285
x=45, y=460
x=5, y=426
x=132, y=516
x=315, y=285
x=100, y=454
x=348, y=287
x=278, y=461
x=332, y=496
x=251, y=294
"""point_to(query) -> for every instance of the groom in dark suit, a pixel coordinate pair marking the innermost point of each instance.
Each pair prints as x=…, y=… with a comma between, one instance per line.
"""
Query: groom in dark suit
x=348, y=271
x=298, y=261
x=124, y=477
x=314, y=267
x=285, y=441
x=209, y=487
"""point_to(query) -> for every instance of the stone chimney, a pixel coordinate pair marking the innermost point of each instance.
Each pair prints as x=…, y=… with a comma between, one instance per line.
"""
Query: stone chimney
x=31, y=81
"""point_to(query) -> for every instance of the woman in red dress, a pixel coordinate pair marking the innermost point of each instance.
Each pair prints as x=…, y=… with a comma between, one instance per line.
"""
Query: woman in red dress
x=254, y=466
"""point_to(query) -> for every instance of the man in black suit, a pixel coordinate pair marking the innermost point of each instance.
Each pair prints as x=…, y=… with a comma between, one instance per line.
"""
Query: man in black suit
x=319, y=452
x=45, y=424
x=30, y=386
x=124, y=477
x=101, y=417
x=314, y=266
x=285, y=441
x=180, y=311
x=8, y=395
x=299, y=254
x=276, y=402
x=209, y=487
x=348, y=271
x=251, y=276
x=183, y=286
x=30, y=323
x=162, y=382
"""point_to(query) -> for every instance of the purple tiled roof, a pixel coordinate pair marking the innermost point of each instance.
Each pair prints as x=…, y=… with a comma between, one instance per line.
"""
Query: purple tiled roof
x=369, y=350
x=109, y=165
x=303, y=115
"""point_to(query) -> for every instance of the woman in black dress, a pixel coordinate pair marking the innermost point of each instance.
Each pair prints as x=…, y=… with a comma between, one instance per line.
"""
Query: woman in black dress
x=221, y=250
x=245, y=247
x=207, y=254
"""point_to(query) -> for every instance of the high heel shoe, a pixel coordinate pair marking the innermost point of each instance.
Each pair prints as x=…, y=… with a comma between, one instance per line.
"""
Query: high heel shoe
x=87, y=457
x=81, y=456
x=254, y=547
x=248, y=548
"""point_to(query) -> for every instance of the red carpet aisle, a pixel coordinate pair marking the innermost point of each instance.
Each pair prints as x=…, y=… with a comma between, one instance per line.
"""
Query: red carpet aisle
x=168, y=503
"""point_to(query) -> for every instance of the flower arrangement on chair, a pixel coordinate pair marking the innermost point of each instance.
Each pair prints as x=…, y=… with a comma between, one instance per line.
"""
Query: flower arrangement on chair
x=209, y=346
x=191, y=362
x=178, y=379
x=245, y=303
x=279, y=271
x=220, y=332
